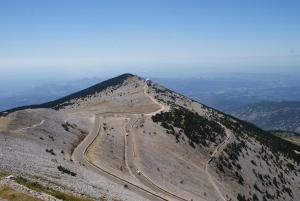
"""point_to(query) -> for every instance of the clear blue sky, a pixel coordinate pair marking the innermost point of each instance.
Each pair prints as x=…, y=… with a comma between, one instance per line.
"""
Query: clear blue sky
x=97, y=37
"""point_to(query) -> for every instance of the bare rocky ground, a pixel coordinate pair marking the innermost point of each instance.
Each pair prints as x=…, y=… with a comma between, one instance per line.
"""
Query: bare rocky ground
x=229, y=163
x=176, y=166
x=249, y=167
x=23, y=153
x=108, y=150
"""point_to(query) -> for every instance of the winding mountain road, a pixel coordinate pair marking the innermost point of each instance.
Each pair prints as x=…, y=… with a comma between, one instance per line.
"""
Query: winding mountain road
x=130, y=154
x=79, y=156
x=156, y=192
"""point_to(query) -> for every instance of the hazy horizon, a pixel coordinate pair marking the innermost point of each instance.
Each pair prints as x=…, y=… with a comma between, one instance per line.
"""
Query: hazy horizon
x=65, y=39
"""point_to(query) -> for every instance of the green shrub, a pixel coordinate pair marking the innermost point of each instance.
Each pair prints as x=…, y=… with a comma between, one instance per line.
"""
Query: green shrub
x=241, y=197
x=40, y=188
x=198, y=129
x=67, y=171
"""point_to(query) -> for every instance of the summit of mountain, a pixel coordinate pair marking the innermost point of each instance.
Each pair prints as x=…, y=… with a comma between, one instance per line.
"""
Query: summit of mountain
x=129, y=138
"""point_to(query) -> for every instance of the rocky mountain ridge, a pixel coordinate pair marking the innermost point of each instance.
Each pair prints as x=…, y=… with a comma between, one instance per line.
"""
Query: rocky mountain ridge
x=131, y=139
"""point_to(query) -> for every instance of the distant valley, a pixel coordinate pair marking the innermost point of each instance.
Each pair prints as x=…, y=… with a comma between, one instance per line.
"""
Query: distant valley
x=271, y=115
x=289, y=136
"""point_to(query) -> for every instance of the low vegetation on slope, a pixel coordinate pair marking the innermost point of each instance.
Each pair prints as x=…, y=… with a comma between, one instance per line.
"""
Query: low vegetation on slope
x=3, y=174
x=198, y=129
x=277, y=145
x=10, y=194
x=255, y=165
x=261, y=163
x=40, y=188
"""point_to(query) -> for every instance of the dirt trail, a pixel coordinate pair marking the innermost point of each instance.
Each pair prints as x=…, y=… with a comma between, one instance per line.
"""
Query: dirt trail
x=162, y=107
x=33, y=126
x=217, y=150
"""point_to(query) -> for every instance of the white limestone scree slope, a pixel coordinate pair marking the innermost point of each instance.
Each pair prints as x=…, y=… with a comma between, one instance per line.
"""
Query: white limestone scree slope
x=131, y=139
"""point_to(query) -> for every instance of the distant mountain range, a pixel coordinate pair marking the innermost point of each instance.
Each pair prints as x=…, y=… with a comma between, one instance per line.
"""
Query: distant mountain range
x=271, y=115
x=227, y=93
x=37, y=94
x=223, y=92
